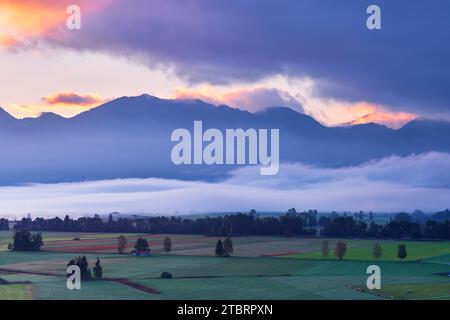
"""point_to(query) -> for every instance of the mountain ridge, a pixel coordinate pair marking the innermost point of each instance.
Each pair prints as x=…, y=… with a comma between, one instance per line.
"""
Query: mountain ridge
x=199, y=102
x=130, y=137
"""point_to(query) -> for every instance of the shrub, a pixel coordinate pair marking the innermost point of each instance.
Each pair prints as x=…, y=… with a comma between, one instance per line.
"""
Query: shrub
x=377, y=251
x=166, y=275
x=402, y=253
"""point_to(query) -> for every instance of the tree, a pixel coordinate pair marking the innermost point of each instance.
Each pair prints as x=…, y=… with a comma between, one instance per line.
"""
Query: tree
x=166, y=275
x=402, y=217
x=82, y=263
x=167, y=245
x=377, y=251
x=84, y=268
x=227, y=247
x=324, y=248
x=401, y=252
x=25, y=241
x=122, y=242
x=98, y=273
x=71, y=263
x=142, y=245
x=37, y=241
x=415, y=231
x=219, y=248
x=340, y=249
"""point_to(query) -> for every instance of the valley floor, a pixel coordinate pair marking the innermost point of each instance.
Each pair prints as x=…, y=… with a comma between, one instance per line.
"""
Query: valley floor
x=261, y=268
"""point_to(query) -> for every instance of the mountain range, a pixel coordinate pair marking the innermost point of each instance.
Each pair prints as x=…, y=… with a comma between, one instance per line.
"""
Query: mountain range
x=129, y=137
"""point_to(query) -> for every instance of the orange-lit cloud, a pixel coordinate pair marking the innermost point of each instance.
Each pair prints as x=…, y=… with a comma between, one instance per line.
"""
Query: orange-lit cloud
x=328, y=112
x=29, y=19
x=252, y=99
x=66, y=104
x=362, y=113
x=74, y=99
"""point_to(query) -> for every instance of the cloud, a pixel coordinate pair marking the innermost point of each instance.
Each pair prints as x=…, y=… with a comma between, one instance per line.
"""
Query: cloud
x=74, y=99
x=66, y=104
x=221, y=42
x=389, y=185
x=427, y=170
x=225, y=42
x=252, y=99
x=298, y=94
x=22, y=22
x=362, y=113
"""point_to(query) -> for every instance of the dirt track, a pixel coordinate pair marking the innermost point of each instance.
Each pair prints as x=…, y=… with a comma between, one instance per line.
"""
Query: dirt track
x=39, y=273
x=135, y=285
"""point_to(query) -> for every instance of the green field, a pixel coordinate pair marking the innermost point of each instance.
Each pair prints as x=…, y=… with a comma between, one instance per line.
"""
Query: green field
x=259, y=271
x=419, y=291
x=362, y=250
x=15, y=292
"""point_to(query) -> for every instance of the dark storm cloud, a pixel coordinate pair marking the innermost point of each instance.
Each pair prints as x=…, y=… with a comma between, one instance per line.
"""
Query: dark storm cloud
x=406, y=64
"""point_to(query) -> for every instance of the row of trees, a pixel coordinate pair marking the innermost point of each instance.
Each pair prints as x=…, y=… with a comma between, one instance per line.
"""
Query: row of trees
x=142, y=245
x=349, y=227
x=85, y=271
x=292, y=223
x=289, y=224
x=223, y=248
x=341, y=249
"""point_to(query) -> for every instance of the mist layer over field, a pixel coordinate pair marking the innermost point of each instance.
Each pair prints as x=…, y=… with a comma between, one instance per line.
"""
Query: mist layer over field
x=388, y=185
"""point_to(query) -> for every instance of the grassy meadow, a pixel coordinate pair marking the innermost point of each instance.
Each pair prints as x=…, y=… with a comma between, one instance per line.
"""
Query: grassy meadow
x=261, y=268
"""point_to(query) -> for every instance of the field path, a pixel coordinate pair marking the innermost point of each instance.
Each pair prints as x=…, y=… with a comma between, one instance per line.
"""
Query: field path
x=39, y=273
x=135, y=285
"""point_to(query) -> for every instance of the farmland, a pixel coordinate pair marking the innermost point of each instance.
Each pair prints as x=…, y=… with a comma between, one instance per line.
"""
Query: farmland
x=261, y=268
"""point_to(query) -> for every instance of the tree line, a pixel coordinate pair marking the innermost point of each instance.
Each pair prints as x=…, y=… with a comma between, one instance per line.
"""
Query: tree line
x=340, y=250
x=349, y=227
x=290, y=224
x=4, y=224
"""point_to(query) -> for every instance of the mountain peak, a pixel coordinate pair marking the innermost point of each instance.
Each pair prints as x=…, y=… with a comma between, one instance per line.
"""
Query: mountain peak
x=426, y=124
x=5, y=114
x=49, y=115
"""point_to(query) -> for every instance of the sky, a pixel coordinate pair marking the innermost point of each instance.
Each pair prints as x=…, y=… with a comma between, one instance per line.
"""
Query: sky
x=386, y=185
x=317, y=57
